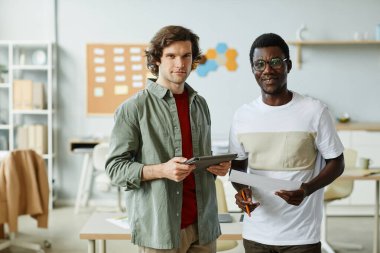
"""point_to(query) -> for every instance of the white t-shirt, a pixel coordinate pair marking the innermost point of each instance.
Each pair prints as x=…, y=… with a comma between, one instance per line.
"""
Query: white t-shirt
x=286, y=142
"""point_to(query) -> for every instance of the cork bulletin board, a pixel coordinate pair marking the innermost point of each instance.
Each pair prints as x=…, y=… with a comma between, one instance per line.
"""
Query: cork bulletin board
x=115, y=72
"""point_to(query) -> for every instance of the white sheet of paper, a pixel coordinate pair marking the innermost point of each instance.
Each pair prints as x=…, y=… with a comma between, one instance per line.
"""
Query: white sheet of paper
x=99, y=51
x=99, y=60
x=134, y=50
x=136, y=67
x=100, y=69
x=265, y=183
x=119, y=68
x=120, y=78
x=118, y=50
x=118, y=59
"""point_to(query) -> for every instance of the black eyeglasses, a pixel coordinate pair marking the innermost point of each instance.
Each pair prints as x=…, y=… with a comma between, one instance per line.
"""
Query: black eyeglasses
x=274, y=63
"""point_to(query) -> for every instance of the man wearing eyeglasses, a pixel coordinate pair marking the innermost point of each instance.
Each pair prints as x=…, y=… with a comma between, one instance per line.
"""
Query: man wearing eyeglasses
x=286, y=136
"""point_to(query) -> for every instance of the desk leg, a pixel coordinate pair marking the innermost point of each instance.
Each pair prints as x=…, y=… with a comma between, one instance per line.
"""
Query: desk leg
x=82, y=181
x=376, y=229
x=88, y=183
x=102, y=246
x=91, y=246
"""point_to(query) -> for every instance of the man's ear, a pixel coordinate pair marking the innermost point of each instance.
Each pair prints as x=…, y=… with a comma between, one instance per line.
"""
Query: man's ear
x=290, y=65
x=158, y=63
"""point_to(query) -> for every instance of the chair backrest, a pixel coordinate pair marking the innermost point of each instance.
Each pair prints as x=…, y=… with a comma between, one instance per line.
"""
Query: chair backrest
x=99, y=156
x=342, y=188
x=220, y=196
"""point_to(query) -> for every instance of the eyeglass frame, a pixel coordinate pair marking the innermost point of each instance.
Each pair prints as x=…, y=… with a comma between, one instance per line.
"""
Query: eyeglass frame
x=268, y=62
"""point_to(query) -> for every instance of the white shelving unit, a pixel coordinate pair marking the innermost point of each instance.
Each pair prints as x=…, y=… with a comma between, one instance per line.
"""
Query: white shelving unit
x=30, y=60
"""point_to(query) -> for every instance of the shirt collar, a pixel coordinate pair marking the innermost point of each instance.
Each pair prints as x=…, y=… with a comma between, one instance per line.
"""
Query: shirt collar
x=160, y=91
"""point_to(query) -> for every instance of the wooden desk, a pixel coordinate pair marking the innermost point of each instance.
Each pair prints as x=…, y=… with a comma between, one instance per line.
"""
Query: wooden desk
x=355, y=175
x=98, y=228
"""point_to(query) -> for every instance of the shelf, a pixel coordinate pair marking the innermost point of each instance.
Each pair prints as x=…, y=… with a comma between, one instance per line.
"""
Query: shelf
x=300, y=44
x=30, y=67
x=24, y=62
x=43, y=112
x=358, y=126
x=4, y=127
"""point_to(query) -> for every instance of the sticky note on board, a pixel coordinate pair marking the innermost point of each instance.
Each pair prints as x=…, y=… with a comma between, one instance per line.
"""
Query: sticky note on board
x=121, y=89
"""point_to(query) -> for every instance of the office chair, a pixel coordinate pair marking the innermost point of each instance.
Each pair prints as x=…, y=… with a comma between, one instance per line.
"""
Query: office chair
x=222, y=245
x=102, y=181
x=339, y=189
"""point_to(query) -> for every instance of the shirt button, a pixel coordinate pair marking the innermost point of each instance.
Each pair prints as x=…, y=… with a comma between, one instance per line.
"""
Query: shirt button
x=177, y=149
x=177, y=192
x=177, y=214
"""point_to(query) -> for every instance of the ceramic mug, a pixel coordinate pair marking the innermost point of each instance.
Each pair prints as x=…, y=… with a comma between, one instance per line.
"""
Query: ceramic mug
x=364, y=163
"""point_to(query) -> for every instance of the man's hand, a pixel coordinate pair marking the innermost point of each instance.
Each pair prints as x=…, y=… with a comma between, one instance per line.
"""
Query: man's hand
x=175, y=170
x=292, y=197
x=221, y=169
x=241, y=203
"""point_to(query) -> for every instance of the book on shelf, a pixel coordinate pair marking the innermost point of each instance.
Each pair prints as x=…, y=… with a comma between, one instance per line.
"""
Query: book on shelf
x=28, y=95
x=22, y=94
x=38, y=101
x=33, y=137
x=22, y=137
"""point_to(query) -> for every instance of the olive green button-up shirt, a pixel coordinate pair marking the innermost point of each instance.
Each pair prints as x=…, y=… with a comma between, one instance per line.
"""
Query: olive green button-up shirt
x=147, y=131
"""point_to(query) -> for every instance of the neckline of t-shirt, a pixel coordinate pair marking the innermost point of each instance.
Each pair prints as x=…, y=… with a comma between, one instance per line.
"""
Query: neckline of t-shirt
x=280, y=107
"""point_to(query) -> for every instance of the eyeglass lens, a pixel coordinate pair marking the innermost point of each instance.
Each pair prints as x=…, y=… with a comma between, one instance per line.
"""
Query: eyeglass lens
x=274, y=63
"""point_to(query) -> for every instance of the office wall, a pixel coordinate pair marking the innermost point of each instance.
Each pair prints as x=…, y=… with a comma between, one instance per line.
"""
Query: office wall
x=344, y=77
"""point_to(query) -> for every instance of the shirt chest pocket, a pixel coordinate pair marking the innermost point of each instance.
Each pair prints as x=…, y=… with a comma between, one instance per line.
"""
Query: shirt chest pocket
x=300, y=151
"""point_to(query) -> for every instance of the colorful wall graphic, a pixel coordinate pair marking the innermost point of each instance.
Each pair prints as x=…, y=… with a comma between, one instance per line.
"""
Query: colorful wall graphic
x=221, y=55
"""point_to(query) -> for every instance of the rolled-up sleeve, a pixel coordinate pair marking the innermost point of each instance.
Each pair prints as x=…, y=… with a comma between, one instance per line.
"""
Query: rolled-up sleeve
x=121, y=165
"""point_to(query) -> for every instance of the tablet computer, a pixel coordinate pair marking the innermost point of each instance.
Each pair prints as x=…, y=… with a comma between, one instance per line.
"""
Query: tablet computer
x=207, y=161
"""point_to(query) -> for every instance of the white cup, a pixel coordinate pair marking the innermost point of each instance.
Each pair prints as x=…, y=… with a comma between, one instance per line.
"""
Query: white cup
x=364, y=163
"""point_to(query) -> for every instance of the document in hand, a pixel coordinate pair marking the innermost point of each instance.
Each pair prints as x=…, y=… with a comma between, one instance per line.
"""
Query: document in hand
x=265, y=183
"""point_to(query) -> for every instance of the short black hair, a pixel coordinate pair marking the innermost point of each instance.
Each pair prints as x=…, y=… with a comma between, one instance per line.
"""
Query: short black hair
x=269, y=40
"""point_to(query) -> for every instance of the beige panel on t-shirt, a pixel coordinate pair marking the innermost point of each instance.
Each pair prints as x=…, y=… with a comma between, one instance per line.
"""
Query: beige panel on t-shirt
x=280, y=150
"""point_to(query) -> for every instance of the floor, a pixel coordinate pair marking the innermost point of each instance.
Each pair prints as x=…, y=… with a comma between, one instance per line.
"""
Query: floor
x=64, y=227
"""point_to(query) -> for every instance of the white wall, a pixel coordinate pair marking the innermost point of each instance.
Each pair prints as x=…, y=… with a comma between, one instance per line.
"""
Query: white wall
x=346, y=78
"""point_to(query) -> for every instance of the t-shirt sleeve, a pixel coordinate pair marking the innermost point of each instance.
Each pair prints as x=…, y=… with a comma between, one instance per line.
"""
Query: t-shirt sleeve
x=328, y=141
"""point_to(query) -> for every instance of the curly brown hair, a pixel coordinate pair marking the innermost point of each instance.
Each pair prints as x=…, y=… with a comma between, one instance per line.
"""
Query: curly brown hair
x=166, y=36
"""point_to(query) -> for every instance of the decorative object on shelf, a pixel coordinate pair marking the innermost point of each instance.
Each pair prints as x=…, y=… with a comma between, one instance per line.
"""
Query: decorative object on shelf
x=39, y=57
x=22, y=58
x=344, y=117
x=358, y=36
x=377, y=35
x=300, y=32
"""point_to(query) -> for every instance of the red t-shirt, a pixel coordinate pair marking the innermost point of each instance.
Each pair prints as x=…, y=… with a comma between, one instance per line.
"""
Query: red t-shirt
x=189, y=200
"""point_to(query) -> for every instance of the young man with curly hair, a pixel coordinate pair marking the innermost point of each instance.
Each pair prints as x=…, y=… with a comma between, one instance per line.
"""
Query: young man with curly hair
x=171, y=206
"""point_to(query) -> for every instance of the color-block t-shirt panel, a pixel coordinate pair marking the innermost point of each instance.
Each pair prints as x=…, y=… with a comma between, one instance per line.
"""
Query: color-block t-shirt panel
x=280, y=150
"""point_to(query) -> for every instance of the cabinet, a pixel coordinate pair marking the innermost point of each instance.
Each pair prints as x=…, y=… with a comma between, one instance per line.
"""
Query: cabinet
x=300, y=44
x=26, y=98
